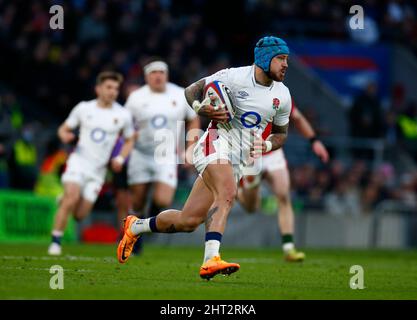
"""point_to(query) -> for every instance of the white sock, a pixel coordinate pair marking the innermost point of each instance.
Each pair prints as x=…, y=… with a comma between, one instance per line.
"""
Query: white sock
x=57, y=233
x=211, y=250
x=287, y=246
x=140, y=226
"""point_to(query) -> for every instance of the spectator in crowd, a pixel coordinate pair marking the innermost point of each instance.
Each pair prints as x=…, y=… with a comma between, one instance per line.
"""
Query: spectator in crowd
x=374, y=191
x=23, y=161
x=407, y=191
x=366, y=118
x=390, y=128
x=407, y=123
x=365, y=114
x=5, y=129
x=344, y=200
x=4, y=177
x=319, y=189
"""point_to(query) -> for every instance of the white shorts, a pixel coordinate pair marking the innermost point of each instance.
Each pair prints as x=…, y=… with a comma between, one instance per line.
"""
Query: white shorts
x=143, y=168
x=272, y=161
x=81, y=172
x=215, y=149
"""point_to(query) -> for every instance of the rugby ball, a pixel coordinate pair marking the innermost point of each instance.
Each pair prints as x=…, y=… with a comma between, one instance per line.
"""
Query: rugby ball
x=223, y=95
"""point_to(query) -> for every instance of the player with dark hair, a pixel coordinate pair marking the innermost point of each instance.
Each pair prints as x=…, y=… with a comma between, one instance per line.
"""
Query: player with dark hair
x=100, y=122
x=225, y=148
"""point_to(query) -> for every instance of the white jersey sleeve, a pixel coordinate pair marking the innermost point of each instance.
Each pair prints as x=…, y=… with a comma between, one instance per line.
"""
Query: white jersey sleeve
x=74, y=119
x=129, y=106
x=128, y=129
x=189, y=112
x=129, y=102
x=282, y=115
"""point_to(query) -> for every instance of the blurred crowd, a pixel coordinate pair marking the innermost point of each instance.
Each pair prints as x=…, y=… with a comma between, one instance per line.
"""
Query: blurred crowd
x=56, y=68
x=396, y=125
x=352, y=189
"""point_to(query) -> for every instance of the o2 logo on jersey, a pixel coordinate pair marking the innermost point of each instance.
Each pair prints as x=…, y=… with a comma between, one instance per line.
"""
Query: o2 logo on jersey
x=98, y=135
x=250, y=115
x=159, y=121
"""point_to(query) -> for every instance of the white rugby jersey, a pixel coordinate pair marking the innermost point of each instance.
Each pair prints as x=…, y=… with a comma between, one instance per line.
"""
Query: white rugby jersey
x=156, y=114
x=256, y=105
x=99, y=130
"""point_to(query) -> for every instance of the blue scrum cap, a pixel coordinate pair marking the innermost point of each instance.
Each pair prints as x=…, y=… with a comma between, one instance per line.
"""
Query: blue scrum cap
x=267, y=48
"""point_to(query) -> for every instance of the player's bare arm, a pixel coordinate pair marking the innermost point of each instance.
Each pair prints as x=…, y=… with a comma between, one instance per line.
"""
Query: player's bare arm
x=275, y=141
x=194, y=95
x=278, y=136
x=195, y=91
x=192, y=128
x=306, y=130
x=118, y=162
x=65, y=133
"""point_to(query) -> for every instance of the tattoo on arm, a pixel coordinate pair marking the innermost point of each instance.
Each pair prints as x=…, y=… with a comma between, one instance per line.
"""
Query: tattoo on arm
x=278, y=136
x=195, y=91
x=210, y=215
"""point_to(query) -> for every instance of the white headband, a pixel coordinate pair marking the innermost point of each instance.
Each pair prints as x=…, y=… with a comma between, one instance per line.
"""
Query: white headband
x=155, y=66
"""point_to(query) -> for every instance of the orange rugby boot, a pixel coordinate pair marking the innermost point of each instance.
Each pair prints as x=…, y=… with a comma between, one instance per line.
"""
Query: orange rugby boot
x=125, y=247
x=215, y=266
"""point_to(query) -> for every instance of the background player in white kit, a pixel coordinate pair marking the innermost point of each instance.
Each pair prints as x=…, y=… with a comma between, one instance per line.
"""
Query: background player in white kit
x=275, y=172
x=257, y=93
x=100, y=122
x=158, y=108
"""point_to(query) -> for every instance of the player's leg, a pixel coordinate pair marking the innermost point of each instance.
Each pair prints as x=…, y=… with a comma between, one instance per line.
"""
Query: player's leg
x=122, y=194
x=165, y=183
x=218, y=186
x=169, y=221
x=89, y=194
x=162, y=198
x=188, y=219
x=67, y=206
x=123, y=203
x=220, y=179
x=279, y=182
x=83, y=209
x=218, y=191
x=139, y=194
x=248, y=193
x=139, y=179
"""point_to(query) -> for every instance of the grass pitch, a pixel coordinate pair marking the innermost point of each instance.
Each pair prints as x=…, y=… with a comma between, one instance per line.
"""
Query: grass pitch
x=92, y=272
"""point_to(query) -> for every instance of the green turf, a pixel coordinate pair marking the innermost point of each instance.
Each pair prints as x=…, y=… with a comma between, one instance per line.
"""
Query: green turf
x=92, y=272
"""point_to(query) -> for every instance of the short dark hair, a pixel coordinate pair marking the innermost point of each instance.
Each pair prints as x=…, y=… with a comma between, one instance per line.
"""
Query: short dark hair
x=109, y=75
